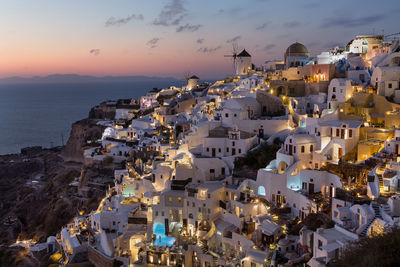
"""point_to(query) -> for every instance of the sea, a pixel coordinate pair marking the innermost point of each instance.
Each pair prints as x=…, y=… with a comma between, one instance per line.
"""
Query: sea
x=42, y=114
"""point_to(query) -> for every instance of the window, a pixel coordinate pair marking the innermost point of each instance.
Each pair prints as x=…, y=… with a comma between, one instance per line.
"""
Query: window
x=316, y=165
x=208, y=149
x=390, y=85
x=319, y=244
x=223, y=171
x=337, y=132
x=193, y=205
x=350, y=133
x=227, y=149
x=273, y=197
x=219, y=150
x=209, y=211
x=302, y=149
x=226, y=115
x=334, y=89
x=208, y=196
x=212, y=171
x=240, y=151
x=170, y=199
x=179, y=199
x=187, y=203
x=156, y=215
x=311, y=148
x=162, y=213
x=234, y=115
x=294, y=149
x=233, y=143
x=199, y=209
x=284, y=199
x=304, y=186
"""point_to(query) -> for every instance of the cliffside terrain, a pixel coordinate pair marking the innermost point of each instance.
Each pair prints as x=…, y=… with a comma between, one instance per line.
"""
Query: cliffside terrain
x=42, y=191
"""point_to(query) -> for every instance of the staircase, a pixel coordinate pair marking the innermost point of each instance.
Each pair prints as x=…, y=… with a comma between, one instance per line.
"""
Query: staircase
x=215, y=261
x=376, y=207
x=203, y=246
x=386, y=209
x=379, y=173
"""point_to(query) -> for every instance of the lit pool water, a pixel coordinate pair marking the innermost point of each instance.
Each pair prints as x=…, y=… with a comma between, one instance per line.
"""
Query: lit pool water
x=161, y=238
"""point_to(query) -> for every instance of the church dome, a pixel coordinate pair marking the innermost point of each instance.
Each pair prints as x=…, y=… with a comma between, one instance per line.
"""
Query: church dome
x=297, y=49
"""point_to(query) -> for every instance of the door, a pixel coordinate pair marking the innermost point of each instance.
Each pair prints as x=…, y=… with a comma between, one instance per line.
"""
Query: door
x=166, y=224
x=340, y=152
x=342, y=134
x=213, y=152
x=278, y=200
x=311, y=188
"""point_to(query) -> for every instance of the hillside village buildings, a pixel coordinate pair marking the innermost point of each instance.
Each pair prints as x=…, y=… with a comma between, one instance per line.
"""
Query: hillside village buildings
x=184, y=199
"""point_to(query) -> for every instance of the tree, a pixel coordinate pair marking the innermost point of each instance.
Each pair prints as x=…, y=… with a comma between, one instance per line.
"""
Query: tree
x=380, y=250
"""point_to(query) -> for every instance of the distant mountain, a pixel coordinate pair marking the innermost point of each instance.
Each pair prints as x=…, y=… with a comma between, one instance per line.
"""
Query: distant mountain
x=76, y=78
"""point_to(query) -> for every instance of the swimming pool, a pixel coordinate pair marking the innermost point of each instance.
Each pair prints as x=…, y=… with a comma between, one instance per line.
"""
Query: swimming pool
x=161, y=238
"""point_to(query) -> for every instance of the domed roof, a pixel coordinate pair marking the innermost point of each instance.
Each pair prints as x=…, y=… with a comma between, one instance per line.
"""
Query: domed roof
x=297, y=49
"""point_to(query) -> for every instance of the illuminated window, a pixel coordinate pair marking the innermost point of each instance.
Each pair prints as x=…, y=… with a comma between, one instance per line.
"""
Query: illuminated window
x=170, y=199
x=261, y=190
x=350, y=133
x=179, y=199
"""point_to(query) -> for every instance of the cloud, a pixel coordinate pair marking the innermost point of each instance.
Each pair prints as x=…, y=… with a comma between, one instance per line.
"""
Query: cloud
x=351, y=22
x=262, y=26
x=311, y=5
x=269, y=47
x=117, y=22
x=208, y=49
x=95, y=51
x=188, y=28
x=230, y=11
x=200, y=41
x=171, y=14
x=234, y=39
x=153, y=43
x=291, y=24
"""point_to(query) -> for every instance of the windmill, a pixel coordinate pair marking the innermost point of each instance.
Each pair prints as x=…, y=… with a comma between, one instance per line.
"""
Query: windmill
x=234, y=55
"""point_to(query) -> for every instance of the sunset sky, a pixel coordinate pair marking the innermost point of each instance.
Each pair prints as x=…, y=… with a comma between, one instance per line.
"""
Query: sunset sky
x=174, y=37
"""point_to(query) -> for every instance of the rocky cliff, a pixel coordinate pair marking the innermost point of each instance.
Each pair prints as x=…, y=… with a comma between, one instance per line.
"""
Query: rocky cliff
x=104, y=111
x=81, y=132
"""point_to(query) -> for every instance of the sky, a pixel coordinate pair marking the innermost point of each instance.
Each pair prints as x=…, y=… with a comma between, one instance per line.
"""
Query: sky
x=174, y=37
